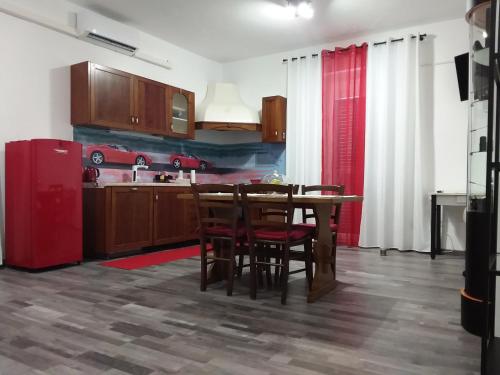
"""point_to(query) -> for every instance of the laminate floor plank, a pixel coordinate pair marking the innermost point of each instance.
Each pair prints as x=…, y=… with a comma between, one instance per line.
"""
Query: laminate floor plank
x=398, y=314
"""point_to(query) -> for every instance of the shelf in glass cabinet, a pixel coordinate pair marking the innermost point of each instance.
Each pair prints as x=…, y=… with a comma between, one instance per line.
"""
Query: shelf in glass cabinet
x=476, y=102
x=478, y=129
x=482, y=56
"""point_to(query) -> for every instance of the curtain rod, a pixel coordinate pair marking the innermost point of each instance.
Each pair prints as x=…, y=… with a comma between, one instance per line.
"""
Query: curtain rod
x=421, y=36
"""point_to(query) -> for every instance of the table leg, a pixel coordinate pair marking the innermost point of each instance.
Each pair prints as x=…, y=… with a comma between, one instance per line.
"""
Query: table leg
x=438, y=229
x=433, y=226
x=324, y=277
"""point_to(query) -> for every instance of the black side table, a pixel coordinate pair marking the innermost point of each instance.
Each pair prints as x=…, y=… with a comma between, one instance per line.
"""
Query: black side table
x=438, y=200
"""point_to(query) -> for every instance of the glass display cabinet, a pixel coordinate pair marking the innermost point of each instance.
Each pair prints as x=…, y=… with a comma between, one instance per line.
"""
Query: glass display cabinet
x=478, y=296
x=181, y=113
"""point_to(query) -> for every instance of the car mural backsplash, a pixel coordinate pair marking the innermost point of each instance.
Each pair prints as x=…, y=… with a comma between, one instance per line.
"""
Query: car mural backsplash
x=114, y=153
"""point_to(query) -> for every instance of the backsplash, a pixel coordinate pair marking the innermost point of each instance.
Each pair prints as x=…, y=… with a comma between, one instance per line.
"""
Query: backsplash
x=114, y=153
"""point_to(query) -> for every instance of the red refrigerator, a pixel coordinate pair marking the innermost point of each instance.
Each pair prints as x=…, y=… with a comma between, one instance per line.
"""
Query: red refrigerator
x=43, y=203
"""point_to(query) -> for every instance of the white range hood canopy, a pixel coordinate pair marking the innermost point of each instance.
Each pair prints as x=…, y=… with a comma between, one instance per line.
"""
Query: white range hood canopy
x=223, y=105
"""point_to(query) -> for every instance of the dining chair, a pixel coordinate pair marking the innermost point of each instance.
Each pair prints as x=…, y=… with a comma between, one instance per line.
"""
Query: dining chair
x=274, y=238
x=220, y=223
x=334, y=217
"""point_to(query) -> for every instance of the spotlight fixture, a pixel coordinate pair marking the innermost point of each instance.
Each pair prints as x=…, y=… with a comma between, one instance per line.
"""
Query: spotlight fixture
x=300, y=8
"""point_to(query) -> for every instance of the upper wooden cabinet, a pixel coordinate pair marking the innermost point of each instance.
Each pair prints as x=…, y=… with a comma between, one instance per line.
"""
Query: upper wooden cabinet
x=274, y=119
x=113, y=99
x=150, y=113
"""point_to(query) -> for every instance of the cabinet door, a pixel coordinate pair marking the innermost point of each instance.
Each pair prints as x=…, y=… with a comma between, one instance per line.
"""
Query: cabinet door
x=131, y=218
x=274, y=119
x=151, y=107
x=180, y=113
x=112, y=98
x=174, y=219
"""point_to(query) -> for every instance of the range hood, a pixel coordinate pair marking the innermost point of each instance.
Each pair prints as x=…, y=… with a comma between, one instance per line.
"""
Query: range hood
x=223, y=110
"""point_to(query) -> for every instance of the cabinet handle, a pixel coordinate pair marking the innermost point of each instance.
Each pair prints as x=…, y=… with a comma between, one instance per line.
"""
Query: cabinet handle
x=284, y=135
x=276, y=132
x=133, y=189
x=137, y=120
x=132, y=119
x=156, y=197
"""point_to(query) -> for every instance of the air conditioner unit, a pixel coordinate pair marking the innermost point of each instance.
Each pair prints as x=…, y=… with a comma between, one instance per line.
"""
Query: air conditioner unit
x=107, y=33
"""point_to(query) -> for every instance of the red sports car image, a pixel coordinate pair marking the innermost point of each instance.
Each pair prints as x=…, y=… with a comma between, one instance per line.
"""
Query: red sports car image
x=189, y=161
x=99, y=154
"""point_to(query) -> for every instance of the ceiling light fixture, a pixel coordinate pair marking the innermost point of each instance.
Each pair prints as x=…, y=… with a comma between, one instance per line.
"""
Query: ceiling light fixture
x=300, y=8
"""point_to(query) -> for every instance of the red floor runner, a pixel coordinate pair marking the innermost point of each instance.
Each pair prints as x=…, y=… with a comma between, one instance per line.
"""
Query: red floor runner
x=153, y=259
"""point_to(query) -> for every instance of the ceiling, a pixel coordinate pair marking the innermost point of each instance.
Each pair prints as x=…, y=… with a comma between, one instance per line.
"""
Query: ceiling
x=228, y=30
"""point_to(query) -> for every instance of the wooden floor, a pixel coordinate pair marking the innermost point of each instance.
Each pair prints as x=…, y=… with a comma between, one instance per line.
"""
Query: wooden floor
x=398, y=315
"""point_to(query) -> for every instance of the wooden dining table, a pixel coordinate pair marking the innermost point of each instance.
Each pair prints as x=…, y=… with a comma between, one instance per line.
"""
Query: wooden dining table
x=325, y=279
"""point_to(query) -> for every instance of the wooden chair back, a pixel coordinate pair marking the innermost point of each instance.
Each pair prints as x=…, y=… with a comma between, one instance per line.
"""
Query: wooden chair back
x=283, y=210
x=334, y=189
x=214, y=212
x=276, y=215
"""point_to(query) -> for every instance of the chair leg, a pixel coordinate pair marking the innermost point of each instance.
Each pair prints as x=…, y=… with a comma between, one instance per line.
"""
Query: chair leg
x=277, y=268
x=230, y=269
x=241, y=258
x=260, y=277
x=277, y=272
x=284, y=273
x=253, y=273
x=204, y=266
x=269, y=278
x=308, y=262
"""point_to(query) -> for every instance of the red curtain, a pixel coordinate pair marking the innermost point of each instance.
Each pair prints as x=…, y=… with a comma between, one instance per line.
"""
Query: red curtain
x=344, y=113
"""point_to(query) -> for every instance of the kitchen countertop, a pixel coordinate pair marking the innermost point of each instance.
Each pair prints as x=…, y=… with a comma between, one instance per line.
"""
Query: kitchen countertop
x=136, y=184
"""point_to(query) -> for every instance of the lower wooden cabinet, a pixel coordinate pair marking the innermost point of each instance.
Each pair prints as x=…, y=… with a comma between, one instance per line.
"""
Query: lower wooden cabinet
x=131, y=218
x=174, y=219
x=122, y=219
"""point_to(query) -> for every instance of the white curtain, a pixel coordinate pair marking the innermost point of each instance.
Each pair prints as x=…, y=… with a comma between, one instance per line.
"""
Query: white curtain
x=303, y=141
x=398, y=152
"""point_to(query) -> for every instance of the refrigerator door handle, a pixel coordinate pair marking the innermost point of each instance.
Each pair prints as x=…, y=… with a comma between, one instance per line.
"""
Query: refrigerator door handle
x=61, y=151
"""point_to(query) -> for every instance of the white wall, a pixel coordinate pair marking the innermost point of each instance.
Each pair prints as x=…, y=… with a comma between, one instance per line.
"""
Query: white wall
x=35, y=74
x=265, y=76
x=35, y=89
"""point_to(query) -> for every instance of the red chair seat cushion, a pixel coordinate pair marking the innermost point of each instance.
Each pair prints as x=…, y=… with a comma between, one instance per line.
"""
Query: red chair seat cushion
x=333, y=226
x=270, y=234
x=226, y=231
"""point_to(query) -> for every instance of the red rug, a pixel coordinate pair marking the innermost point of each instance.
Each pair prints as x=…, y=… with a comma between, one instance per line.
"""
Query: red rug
x=153, y=259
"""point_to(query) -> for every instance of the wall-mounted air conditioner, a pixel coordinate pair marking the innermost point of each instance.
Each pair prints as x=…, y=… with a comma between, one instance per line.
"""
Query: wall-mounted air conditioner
x=107, y=33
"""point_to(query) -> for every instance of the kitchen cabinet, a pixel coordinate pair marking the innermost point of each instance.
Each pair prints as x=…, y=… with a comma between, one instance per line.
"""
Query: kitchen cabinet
x=102, y=96
x=112, y=99
x=121, y=219
x=131, y=218
x=180, y=113
x=174, y=219
x=274, y=119
x=150, y=113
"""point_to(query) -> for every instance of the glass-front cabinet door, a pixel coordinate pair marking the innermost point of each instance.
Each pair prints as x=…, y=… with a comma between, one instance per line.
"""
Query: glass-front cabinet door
x=480, y=175
x=479, y=56
x=180, y=113
x=478, y=300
